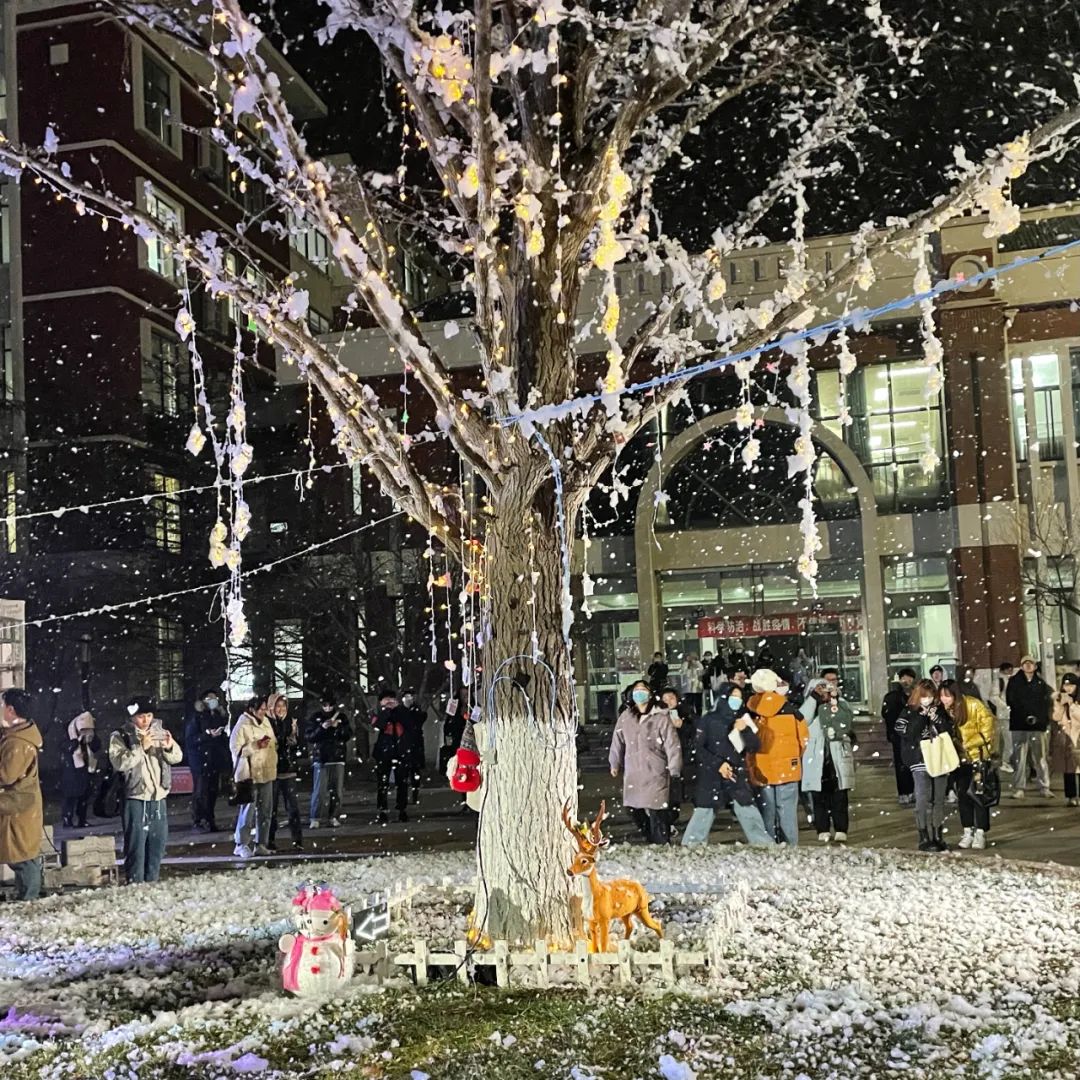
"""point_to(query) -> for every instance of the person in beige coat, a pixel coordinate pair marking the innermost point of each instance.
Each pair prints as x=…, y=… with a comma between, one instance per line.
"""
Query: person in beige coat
x=1065, y=737
x=20, y=793
x=254, y=751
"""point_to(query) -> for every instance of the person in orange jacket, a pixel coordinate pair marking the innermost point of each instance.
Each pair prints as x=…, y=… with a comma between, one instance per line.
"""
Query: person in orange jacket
x=777, y=765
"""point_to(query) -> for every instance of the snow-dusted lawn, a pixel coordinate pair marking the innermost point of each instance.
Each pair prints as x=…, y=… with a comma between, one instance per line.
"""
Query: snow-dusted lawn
x=848, y=964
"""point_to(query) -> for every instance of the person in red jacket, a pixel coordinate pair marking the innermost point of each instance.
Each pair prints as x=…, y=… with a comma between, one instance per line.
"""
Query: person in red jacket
x=777, y=765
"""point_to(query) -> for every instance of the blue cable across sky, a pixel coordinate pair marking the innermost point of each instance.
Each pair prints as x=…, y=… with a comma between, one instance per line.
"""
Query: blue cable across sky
x=547, y=413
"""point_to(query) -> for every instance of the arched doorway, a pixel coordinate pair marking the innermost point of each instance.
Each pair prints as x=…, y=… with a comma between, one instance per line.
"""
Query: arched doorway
x=717, y=529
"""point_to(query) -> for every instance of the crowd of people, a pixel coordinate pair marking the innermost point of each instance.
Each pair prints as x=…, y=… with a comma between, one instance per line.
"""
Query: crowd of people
x=253, y=761
x=763, y=744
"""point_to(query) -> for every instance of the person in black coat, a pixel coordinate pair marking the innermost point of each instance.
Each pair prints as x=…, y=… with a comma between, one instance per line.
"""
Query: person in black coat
x=893, y=704
x=417, y=716
x=393, y=754
x=1030, y=702
x=685, y=723
x=658, y=672
x=724, y=737
x=327, y=733
x=206, y=750
x=80, y=767
x=925, y=718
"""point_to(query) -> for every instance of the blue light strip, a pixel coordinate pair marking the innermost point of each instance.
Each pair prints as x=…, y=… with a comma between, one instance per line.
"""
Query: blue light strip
x=549, y=413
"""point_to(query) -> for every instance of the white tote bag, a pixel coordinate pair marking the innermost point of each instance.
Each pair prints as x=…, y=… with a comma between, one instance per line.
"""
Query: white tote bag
x=939, y=755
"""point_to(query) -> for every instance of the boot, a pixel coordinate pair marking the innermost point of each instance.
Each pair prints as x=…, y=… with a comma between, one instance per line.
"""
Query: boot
x=67, y=822
x=925, y=843
x=939, y=840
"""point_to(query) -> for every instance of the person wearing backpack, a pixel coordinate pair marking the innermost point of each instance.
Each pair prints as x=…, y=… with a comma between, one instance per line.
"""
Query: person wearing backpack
x=923, y=719
x=976, y=735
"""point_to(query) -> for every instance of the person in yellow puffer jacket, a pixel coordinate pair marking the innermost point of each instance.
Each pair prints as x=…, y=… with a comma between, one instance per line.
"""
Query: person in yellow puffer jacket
x=777, y=765
x=976, y=737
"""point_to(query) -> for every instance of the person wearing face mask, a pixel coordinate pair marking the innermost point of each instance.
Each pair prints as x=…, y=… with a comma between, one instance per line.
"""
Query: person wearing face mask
x=829, y=761
x=645, y=749
x=328, y=733
x=207, y=745
x=776, y=766
x=415, y=727
x=255, y=759
x=393, y=754
x=924, y=718
x=893, y=704
x=976, y=738
x=288, y=765
x=724, y=737
x=683, y=720
x=1065, y=737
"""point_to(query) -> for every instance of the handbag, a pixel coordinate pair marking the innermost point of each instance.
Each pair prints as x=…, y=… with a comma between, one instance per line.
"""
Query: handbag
x=939, y=754
x=985, y=787
x=241, y=792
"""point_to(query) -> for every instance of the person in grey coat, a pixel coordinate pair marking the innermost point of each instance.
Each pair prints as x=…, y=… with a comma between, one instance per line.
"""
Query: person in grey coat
x=828, y=767
x=645, y=749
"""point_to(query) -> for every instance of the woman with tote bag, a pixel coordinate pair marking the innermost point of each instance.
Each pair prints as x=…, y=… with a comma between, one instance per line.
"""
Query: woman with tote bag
x=919, y=728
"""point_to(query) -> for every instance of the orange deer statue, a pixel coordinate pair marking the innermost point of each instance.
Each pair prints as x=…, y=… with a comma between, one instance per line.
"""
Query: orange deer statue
x=602, y=901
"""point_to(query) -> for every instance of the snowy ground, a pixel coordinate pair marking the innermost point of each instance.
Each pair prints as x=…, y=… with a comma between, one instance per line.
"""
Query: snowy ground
x=848, y=964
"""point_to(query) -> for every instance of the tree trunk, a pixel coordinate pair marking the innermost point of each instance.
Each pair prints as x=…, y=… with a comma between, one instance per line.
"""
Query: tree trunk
x=523, y=849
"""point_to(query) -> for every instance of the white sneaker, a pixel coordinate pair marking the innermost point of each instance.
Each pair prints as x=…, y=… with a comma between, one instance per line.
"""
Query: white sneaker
x=1073, y=802
x=840, y=837
x=1017, y=794
x=1006, y=767
x=313, y=824
x=824, y=837
x=333, y=823
x=238, y=849
x=243, y=851
x=260, y=850
x=1046, y=793
x=951, y=798
x=980, y=840
x=967, y=839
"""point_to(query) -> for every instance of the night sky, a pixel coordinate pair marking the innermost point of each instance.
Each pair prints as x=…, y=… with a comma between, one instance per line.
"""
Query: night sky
x=969, y=91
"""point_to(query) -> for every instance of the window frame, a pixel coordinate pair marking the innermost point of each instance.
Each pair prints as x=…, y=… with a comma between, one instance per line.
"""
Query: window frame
x=172, y=126
x=164, y=527
x=169, y=657
x=9, y=502
x=181, y=388
x=147, y=194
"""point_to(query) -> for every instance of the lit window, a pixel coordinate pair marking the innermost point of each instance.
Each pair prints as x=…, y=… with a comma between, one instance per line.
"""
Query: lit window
x=165, y=376
x=163, y=527
x=9, y=505
x=279, y=528
x=1046, y=397
x=160, y=256
x=288, y=656
x=157, y=99
x=309, y=242
x=170, y=658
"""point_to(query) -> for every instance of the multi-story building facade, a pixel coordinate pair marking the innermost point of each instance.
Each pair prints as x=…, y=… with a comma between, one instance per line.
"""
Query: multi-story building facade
x=916, y=568
x=96, y=388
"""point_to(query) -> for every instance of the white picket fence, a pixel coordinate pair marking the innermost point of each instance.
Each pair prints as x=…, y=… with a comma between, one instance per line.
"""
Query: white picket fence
x=541, y=965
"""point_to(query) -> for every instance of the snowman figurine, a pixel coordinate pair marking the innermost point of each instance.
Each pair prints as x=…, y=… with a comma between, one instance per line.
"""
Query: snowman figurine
x=318, y=958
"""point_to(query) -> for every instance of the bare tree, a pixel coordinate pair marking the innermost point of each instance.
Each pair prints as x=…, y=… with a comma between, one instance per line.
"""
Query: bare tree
x=548, y=125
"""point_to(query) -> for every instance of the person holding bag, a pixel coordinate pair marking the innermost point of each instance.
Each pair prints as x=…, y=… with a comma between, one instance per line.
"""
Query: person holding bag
x=975, y=736
x=255, y=757
x=919, y=728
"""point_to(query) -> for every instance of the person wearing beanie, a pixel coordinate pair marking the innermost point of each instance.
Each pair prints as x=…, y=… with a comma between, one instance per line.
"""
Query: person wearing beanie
x=1030, y=701
x=776, y=767
x=393, y=755
x=143, y=752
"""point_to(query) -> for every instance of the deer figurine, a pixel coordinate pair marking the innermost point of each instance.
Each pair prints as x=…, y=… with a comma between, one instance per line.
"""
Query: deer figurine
x=602, y=901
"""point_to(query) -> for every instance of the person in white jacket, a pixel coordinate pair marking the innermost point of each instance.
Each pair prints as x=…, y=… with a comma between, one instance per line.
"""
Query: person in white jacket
x=254, y=752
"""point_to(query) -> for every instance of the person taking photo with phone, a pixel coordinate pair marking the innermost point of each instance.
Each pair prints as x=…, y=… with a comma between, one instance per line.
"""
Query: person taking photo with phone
x=143, y=752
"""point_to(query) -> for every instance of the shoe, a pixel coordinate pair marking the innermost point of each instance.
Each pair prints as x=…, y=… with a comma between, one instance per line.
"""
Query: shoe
x=967, y=839
x=243, y=851
x=334, y=823
x=272, y=848
x=1073, y=802
x=84, y=825
x=298, y=845
x=840, y=837
x=68, y=823
x=824, y=837
x=261, y=849
x=1006, y=768
x=383, y=817
x=212, y=827
x=939, y=841
x=1017, y=794
x=925, y=843
x=403, y=816
x=202, y=827
x=1046, y=793
x=951, y=798
x=979, y=843
x=313, y=824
